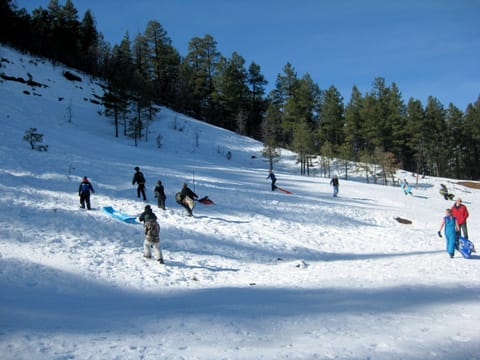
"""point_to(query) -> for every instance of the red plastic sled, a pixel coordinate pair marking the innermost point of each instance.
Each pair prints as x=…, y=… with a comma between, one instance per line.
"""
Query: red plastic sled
x=206, y=201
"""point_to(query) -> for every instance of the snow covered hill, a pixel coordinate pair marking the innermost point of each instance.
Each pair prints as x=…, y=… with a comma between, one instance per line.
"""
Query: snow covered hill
x=259, y=275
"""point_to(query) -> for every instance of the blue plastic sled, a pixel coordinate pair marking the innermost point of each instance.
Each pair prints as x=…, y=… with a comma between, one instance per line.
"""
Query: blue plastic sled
x=129, y=219
x=465, y=247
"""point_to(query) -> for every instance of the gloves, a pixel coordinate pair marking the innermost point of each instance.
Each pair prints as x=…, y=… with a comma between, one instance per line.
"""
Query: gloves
x=439, y=234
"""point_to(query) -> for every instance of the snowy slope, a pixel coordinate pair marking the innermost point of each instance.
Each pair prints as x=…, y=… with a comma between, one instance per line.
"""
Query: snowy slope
x=259, y=275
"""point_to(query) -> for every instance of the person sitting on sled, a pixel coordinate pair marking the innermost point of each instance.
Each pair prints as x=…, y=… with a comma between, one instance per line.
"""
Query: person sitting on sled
x=186, y=197
x=444, y=192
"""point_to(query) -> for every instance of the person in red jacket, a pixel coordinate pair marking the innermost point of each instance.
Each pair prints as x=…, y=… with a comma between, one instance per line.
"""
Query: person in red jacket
x=460, y=211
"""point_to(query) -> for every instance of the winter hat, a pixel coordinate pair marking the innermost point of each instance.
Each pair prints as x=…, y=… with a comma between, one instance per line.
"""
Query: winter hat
x=147, y=207
x=85, y=178
x=137, y=168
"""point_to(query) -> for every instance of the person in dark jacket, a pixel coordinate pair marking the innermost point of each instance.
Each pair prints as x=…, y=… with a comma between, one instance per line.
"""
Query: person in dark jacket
x=84, y=191
x=186, y=197
x=160, y=195
x=272, y=176
x=139, y=179
x=335, y=184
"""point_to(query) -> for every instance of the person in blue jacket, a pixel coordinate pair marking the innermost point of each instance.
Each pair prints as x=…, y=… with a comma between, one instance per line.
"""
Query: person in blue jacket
x=451, y=228
x=84, y=192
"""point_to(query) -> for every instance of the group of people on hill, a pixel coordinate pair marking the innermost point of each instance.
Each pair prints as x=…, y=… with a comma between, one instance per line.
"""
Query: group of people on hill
x=185, y=197
x=333, y=182
x=454, y=223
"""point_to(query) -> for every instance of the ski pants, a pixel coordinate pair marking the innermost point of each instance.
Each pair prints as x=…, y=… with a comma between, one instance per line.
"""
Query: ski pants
x=141, y=190
x=274, y=187
x=149, y=246
x=161, y=203
x=85, y=199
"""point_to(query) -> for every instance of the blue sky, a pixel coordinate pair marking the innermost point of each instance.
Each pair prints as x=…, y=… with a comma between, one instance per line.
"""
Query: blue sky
x=427, y=47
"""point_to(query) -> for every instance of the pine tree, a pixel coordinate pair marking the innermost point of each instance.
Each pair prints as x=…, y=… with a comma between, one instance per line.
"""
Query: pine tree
x=455, y=142
x=88, y=44
x=164, y=62
x=331, y=117
x=258, y=103
x=471, y=139
x=231, y=92
x=200, y=66
x=353, y=120
x=437, y=140
x=271, y=129
x=416, y=153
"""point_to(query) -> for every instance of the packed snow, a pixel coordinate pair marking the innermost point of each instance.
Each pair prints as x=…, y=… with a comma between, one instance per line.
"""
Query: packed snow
x=259, y=275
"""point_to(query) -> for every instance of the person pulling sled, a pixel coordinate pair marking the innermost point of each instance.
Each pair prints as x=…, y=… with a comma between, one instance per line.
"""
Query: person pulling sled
x=272, y=177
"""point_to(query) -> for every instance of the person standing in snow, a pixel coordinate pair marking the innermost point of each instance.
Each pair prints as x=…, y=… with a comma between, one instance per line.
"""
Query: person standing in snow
x=139, y=179
x=335, y=184
x=84, y=191
x=186, y=197
x=160, y=195
x=451, y=228
x=407, y=189
x=460, y=211
x=272, y=177
x=151, y=228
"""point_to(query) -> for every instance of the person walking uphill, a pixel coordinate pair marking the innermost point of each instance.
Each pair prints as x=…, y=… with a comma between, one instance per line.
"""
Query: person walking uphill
x=186, y=197
x=451, y=228
x=460, y=211
x=84, y=191
x=272, y=177
x=335, y=184
x=151, y=228
x=139, y=179
x=160, y=195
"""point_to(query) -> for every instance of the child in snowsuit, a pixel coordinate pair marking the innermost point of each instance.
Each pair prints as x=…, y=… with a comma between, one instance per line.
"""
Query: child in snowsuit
x=152, y=235
x=139, y=179
x=335, y=184
x=84, y=192
x=186, y=196
x=160, y=195
x=272, y=176
x=451, y=227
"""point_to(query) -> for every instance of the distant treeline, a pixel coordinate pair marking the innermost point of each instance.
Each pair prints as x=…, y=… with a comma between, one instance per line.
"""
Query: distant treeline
x=144, y=71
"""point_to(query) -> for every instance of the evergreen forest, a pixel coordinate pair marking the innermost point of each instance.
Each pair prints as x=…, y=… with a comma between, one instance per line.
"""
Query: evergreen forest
x=145, y=71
